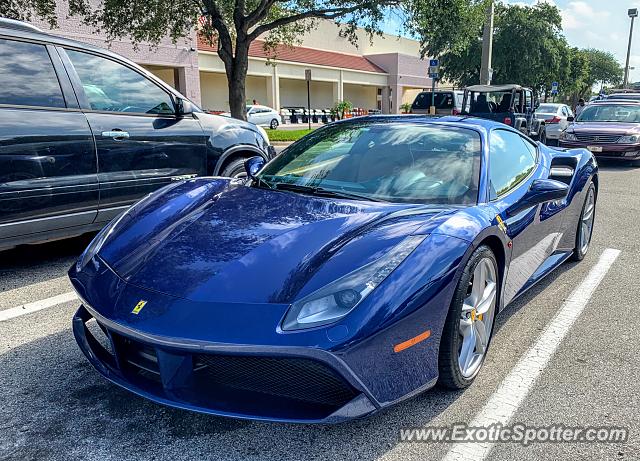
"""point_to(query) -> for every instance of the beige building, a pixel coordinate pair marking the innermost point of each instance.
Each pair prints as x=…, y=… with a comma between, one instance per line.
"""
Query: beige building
x=380, y=74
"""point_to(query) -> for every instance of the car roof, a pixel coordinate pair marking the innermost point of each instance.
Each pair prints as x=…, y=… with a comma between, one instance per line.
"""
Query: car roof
x=460, y=121
x=19, y=29
x=617, y=102
x=492, y=88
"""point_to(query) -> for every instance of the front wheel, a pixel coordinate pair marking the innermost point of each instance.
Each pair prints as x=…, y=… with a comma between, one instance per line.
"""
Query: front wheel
x=274, y=124
x=235, y=169
x=585, y=225
x=469, y=325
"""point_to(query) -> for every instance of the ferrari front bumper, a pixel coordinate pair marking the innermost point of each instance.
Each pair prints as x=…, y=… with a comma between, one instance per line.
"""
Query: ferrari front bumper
x=291, y=384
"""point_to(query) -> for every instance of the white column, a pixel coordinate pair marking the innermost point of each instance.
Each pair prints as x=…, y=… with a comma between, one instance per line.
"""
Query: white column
x=275, y=88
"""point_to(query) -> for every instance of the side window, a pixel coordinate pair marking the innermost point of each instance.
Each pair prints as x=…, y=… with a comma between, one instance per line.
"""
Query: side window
x=528, y=100
x=511, y=159
x=28, y=76
x=113, y=87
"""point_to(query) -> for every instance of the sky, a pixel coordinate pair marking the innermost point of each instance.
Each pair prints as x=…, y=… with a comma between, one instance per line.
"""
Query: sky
x=601, y=24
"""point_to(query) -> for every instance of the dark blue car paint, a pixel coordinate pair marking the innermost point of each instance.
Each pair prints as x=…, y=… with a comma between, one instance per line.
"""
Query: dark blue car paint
x=219, y=264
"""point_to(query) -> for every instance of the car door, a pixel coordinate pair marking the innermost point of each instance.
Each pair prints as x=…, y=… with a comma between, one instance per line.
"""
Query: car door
x=252, y=115
x=260, y=115
x=534, y=234
x=142, y=143
x=48, y=170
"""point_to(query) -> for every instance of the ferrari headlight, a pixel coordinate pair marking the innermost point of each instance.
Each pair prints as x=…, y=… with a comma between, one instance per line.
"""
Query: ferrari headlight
x=566, y=136
x=340, y=297
x=629, y=139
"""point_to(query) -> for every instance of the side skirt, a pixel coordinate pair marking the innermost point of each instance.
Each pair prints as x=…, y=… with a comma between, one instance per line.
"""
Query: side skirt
x=549, y=265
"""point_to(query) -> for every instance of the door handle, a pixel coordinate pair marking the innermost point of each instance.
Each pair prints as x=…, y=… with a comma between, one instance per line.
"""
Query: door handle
x=115, y=134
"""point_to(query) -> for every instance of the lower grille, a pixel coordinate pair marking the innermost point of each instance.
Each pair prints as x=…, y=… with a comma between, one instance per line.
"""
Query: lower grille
x=598, y=138
x=289, y=378
x=137, y=359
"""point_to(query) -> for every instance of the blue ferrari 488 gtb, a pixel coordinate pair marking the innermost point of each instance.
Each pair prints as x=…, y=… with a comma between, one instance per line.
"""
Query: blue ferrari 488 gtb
x=364, y=264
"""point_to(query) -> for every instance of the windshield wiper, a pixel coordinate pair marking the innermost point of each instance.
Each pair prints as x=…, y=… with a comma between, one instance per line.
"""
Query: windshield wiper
x=322, y=192
x=258, y=181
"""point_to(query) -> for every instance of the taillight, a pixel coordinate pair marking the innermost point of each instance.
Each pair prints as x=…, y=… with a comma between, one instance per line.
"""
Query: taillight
x=555, y=119
x=507, y=121
x=455, y=111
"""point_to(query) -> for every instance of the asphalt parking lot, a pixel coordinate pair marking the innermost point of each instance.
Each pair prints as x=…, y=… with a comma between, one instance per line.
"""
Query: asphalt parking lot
x=56, y=407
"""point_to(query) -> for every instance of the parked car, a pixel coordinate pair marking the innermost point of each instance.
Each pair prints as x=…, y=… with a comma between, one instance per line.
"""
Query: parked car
x=84, y=133
x=510, y=104
x=555, y=118
x=623, y=96
x=447, y=102
x=261, y=116
x=359, y=267
x=608, y=128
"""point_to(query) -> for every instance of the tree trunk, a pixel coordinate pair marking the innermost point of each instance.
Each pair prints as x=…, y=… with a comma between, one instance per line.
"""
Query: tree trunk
x=237, y=77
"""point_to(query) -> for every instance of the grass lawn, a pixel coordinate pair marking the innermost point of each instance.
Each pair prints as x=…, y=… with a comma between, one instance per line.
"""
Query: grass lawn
x=287, y=135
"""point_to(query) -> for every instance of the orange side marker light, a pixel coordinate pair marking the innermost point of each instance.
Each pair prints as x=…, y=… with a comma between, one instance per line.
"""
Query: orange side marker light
x=411, y=342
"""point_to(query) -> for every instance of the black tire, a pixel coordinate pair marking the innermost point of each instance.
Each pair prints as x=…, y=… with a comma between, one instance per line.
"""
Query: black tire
x=274, y=124
x=235, y=169
x=580, y=251
x=450, y=375
x=542, y=135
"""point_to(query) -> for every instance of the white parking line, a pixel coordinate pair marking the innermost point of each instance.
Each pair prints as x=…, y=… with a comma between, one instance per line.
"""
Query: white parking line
x=17, y=311
x=504, y=402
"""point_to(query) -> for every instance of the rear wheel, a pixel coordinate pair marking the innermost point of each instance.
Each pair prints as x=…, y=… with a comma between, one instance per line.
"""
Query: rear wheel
x=469, y=325
x=274, y=124
x=542, y=135
x=585, y=225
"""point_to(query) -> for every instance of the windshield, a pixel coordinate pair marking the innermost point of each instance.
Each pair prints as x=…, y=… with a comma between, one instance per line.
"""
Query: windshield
x=610, y=113
x=395, y=162
x=443, y=100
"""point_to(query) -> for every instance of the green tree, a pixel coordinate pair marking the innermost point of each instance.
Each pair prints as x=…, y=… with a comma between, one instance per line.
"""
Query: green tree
x=604, y=69
x=528, y=46
x=26, y=10
x=231, y=25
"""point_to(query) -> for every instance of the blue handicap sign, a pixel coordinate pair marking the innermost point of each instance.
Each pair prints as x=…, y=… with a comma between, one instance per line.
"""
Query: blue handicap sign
x=434, y=63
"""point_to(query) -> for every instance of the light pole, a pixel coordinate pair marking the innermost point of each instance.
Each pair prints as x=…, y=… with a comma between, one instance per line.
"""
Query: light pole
x=633, y=13
x=487, y=46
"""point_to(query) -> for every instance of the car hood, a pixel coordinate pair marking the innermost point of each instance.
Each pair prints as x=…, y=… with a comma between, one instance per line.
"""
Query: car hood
x=605, y=128
x=218, y=240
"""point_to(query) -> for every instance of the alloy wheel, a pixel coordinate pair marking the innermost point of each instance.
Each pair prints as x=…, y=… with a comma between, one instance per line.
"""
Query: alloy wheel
x=586, y=221
x=476, y=321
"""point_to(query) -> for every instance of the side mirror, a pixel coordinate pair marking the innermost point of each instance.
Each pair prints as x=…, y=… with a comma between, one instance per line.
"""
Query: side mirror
x=253, y=165
x=541, y=191
x=536, y=104
x=570, y=118
x=183, y=106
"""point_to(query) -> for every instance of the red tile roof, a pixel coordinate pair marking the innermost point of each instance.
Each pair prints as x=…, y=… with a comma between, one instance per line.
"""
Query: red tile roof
x=304, y=55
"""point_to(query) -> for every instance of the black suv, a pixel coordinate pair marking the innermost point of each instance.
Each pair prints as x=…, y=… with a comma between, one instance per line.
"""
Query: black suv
x=84, y=133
